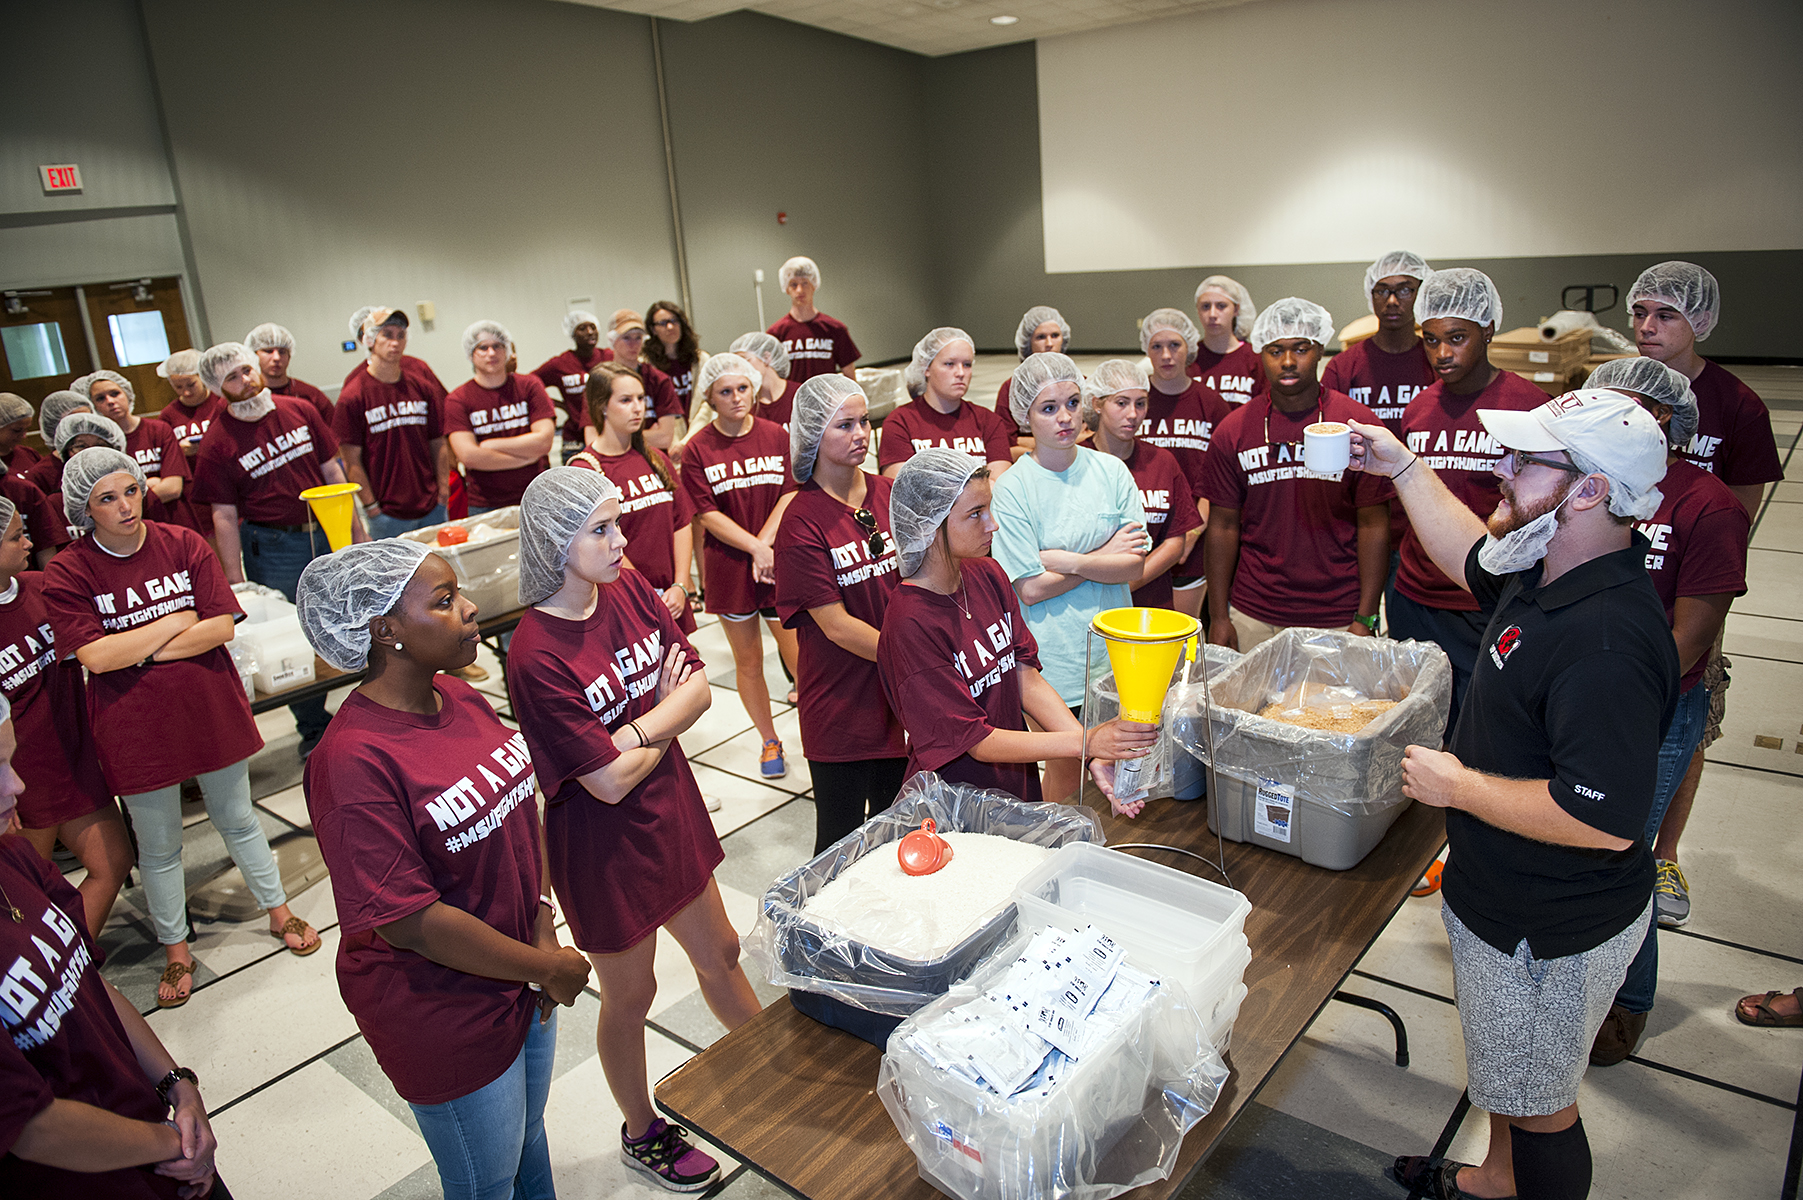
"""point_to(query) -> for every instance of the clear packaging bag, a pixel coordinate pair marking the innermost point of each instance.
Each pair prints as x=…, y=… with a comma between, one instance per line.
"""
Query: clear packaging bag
x=1114, y=1120
x=789, y=949
x=1162, y=767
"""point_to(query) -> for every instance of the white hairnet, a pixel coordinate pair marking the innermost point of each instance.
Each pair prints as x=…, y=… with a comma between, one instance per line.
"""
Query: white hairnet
x=799, y=265
x=357, y=319
x=1396, y=262
x=339, y=594
x=1034, y=376
x=93, y=424
x=1034, y=317
x=1110, y=378
x=555, y=506
x=717, y=367
x=766, y=349
x=1292, y=317
x=6, y=710
x=1235, y=291
x=817, y=402
x=1687, y=287
x=1161, y=319
x=1461, y=292
x=8, y=510
x=1657, y=382
x=55, y=407
x=926, y=488
x=13, y=407
x=474, y=335
x=926, y=350
x=182, y=362
x=216, y=362
x=85, y=385
x=83, y=472
x=578, y=317
x=269, y=336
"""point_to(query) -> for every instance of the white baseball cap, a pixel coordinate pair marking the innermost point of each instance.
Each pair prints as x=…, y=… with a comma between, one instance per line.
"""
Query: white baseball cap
x=1605, y=432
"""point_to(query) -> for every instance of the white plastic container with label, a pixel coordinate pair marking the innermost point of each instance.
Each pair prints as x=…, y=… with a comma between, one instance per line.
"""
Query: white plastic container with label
x=284, y=656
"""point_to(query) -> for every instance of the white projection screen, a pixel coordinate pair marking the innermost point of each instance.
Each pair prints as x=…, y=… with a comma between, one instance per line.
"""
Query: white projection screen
x=1303, y=131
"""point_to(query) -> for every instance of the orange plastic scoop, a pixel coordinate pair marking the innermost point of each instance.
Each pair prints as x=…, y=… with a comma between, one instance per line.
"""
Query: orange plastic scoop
x=453, y=535
x=923, y=851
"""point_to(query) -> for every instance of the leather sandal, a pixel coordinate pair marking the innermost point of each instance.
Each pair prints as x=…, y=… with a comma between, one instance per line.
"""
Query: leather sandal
x=1431, y=1178
x=1765, y=1017
x=173, y=974
x=299, y=929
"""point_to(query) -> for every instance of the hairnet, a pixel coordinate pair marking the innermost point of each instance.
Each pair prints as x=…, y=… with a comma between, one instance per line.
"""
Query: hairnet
x=7, y=511
x=718, y=367
x=269, y=336
x=925, y=489
x=1292, y=317
x=926, y=350
x=85, y=385
x=766, y=349
x=1111, y=377
x=573, y=319
x=357, y=319
x=1032, y=377
x=799, y=265
x=6, y=710
x=1396, y=262
x=76, y=424
x=1034, y=317
x=182, y=362
x=1161, y=319
x=1686, y=287
x=1657, y=382
x=1235, y=291
x=85, y=470
x=1462, y=292
x=216, y=362
x=817, y=402
x=339, y=594
x=55, y=407
x=473, y=336
x=553, y=510
x=13, y=407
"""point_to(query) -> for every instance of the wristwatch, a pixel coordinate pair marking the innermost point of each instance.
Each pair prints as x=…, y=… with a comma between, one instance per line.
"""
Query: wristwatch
x=168, y=1081
x=1368, y=622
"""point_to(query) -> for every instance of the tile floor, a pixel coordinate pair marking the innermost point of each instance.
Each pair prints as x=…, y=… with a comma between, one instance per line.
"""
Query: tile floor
x=1705, y=1109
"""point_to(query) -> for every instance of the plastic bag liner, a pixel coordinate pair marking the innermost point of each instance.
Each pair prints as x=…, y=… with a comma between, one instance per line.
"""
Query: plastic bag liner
x=1115, y=1123
x=488, y=565
x=794, y=951
x=1351, y=773
x=1103, y=704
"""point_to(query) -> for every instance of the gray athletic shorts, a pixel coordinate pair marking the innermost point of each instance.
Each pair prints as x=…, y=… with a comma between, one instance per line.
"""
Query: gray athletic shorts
x=1529, y=1022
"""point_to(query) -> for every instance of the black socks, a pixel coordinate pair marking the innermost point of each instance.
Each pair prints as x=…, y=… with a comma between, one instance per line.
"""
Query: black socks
x=1551, y=1166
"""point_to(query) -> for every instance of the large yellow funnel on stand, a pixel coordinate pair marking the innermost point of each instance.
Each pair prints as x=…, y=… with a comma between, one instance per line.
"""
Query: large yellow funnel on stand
x=1144, y=645
x=332, y=507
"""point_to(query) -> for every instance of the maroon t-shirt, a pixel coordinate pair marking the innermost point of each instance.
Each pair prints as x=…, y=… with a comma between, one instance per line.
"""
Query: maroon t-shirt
x=1170, y=505
x=917, y=426
x=651, y=513
x=22, y=459
x=817, y=347
x=1734, y=431
x=1003, y=408
x=416, y=367
x=742, y=478
x=783, y=407
x=1699, y=538
x=661, y=398
x=154, y=446
x=46, y=475
x=395, y=425
x=1384, y=383
x=64, y=1040
x=300, y=389
x=56, y=757
x=1238, y=375
x=1184, y=424
x=262, y=467
x=568, y=373
x=682, y=378
x=189, y=422
x=412, y=810
x=823, y=557
x=620, y=870
x=1298, y=560
x=951, y=678
x=1443, y=429
x=91, y=593
x=506, y=411
x=46, y=522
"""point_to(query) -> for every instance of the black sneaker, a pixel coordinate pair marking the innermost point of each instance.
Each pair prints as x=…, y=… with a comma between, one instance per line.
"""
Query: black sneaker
x=664, y=1153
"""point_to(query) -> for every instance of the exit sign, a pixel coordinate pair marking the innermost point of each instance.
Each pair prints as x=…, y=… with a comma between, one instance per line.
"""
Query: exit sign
x=64, y=177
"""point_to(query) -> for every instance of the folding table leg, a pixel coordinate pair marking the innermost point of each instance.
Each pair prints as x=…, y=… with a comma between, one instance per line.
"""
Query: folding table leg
x=1377, y=1006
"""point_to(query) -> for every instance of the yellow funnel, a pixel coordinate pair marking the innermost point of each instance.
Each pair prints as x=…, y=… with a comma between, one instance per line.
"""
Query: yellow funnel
x=332, y=506
x=1144, y=645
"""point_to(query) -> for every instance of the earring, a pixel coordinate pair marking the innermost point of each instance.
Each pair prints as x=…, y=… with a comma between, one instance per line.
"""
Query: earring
x=398, y=647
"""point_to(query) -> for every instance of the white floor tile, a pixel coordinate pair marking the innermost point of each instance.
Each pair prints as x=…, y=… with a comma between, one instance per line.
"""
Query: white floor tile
x=290, y=804
x=741, y=800
x=1764, y=637
x=1740, y=854
x=724, y=718
x=1774, y=581
x=1765, y=702
x=740, y=754
x=225, y=946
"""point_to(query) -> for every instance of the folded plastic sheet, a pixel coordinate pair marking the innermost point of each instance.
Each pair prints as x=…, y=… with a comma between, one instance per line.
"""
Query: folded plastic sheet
x=792, y=950
x=1352, y=773
x=1114, y=1121
x=1103, y=704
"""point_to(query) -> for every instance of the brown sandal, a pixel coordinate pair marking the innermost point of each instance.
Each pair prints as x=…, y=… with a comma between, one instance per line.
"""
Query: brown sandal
x=299, y=929
x=1765, y=1017
x=173, y=974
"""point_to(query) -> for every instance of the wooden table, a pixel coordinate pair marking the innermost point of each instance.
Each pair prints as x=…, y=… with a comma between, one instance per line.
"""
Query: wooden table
x=328, y=679
x=796, y=1100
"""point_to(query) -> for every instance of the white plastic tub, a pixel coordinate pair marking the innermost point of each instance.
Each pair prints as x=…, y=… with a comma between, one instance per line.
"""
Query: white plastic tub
x=488, y=569
x=284, y=656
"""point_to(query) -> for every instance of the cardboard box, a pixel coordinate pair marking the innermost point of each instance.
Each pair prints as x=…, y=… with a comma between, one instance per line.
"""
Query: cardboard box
x=1526, y=352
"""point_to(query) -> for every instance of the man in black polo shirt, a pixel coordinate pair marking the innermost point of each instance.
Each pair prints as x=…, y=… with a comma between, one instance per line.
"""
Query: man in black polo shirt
x=1550, y=775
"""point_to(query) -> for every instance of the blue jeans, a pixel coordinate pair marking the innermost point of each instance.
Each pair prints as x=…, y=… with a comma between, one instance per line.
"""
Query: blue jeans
x=1460, y=634
x=491, y=1144
x=275, y=558
x=384, y=526
x=1675, y=752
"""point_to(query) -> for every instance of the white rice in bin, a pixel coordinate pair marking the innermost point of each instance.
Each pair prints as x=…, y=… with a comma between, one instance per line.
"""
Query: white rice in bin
x=922, y=917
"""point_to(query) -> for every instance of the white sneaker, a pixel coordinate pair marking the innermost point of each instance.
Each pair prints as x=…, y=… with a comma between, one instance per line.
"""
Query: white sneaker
x=712, y=802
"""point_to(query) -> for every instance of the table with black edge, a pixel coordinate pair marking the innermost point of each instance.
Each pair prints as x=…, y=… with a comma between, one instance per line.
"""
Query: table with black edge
x=796, y=1102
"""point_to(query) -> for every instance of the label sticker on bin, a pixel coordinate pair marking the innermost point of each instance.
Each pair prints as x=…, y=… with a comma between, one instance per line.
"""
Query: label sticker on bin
x=1272, y=807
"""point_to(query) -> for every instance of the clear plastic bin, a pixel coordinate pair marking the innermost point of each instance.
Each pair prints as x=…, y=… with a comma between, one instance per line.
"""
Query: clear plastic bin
x=488, y=572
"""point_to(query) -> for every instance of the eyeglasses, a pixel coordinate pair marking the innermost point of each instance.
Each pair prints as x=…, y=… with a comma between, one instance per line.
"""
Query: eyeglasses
x=1406, y=292
x=1520, y=460
x=667, y=323
x=867, y=520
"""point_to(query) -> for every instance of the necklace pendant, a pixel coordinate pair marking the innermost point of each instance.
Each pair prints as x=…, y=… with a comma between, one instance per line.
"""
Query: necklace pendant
x=17, y=916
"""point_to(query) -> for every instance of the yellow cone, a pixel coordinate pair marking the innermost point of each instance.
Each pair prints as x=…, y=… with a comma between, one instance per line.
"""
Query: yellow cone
x=332, y=507
x=1144, y=645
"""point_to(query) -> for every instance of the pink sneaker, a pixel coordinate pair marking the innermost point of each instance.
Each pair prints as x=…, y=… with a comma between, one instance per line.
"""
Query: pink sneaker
x=664, y=1153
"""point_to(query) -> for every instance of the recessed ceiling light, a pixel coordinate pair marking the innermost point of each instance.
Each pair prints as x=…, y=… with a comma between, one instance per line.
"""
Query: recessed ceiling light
x=1003, y=20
